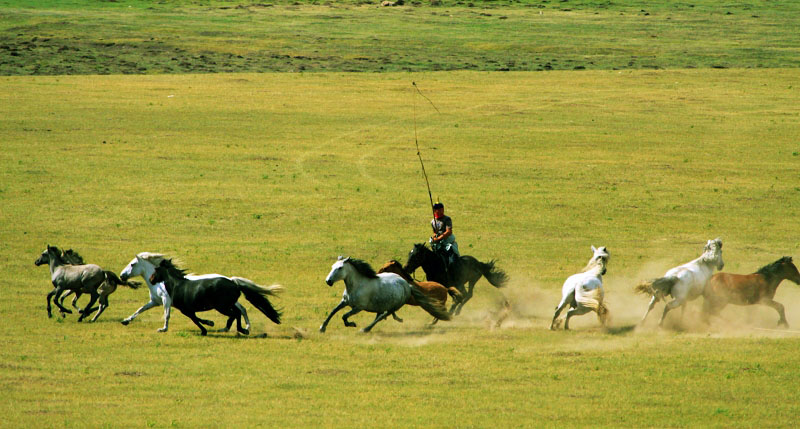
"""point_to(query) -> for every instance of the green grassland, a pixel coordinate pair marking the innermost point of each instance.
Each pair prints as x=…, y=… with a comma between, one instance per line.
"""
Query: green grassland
x=158, y=37
x=271, y=176
x=659, y=125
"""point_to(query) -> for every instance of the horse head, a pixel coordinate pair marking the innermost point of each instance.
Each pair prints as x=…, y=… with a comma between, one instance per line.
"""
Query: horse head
x=44, y=258
x=600, y=256
x=712, y=253
x=134, y=268
x=790, y=270
x=416, y=257
x=337, y=271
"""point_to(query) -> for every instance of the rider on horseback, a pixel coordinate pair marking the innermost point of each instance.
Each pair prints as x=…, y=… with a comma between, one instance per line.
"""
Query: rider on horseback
x=443, y=241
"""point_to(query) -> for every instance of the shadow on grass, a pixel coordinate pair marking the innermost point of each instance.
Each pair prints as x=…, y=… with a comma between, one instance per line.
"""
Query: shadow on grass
x=621, y=330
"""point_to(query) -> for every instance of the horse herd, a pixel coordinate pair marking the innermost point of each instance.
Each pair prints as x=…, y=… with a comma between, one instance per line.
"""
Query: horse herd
x=392, y=286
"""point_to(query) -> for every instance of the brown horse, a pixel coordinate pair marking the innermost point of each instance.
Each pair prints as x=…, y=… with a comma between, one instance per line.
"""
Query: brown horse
x=757, y=288
x=431, y=289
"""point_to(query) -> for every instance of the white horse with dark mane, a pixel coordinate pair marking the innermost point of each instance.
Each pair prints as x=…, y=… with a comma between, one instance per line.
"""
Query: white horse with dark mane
x=583, y=292
x=144, y=264
x=684, y=283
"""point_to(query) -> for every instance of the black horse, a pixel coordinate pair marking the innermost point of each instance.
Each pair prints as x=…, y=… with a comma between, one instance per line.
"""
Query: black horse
x=218, y=293
x=466, y=269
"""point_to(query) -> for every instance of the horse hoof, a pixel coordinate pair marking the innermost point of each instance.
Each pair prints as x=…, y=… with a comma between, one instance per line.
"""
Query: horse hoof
x=125, y=322
x=68, y=311
x=322, y=330
x=244, y=331
x=162, y=330
x=204, y=333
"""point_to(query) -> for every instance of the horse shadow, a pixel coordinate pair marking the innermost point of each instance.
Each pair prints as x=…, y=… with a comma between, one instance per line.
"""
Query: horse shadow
x=620, y=330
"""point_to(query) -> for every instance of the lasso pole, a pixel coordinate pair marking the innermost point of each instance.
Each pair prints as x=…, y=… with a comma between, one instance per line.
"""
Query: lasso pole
x=419, y=153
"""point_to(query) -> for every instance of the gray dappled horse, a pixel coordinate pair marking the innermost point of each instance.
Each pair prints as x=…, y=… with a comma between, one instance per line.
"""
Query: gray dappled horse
x=85, y=278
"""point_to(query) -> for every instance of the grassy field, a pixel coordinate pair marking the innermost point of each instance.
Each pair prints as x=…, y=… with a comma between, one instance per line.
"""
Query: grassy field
x=48, y=37
x=271, y=176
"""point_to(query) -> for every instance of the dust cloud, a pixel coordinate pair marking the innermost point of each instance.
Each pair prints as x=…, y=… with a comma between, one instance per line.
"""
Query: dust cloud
x=531, y=304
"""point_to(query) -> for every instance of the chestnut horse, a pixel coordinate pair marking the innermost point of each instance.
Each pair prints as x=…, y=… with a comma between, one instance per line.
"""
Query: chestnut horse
x=430, y=289
x=750, y=289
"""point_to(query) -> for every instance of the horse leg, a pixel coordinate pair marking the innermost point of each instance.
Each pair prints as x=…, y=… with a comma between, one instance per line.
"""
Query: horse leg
x=649, y=309
x=340, y=306
x=75, y=301
x=233, y=313
x=467, y=296
x=103, y=306
x=167, y=309
x=378, y=318
x=56, y=299
x=206, y=322
x=63, y=297
x=577, y=311
x=779, y=308
x=49, y=297
x=675, y=303
x=394, y=316
x=347, y=315
x=244, y=314
x=196, y=320
x=144, y=308
x=86, y=311
x=561, y=306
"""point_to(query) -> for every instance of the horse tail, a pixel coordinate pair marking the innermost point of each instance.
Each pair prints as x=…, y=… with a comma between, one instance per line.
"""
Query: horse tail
x=603, y=314
x=658, y=288
x=455, y=294
x=434, y=307
x=256, y=294
x=273, y=290
x=112, y=278
x=497, y=277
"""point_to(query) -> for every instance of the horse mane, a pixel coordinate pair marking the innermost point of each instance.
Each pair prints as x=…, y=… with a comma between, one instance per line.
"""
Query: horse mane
x=771, y=270
x=362, y=267
x=173, y=270
x=72, y=257
x=153, y=258
x=592, y=263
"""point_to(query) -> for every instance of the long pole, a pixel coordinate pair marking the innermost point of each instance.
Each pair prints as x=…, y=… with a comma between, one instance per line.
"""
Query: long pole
x=419, y=154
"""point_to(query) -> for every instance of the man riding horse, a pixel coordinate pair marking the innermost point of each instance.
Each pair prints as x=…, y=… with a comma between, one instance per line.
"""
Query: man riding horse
x=443, y=241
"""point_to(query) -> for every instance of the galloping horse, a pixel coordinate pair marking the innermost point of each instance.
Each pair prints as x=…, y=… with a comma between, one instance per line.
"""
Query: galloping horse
x=750, y=289
x=382, y=293
x=466, y=269
x=86, y=278
x=145, y=263
x=217, y=293
x=583, y=292
x=684, y=283
x=431, y=289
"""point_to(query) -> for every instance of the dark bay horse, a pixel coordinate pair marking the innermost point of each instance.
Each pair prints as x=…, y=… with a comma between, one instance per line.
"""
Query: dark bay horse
x=749, y=289
x=82, y=278
x=215, y=293
x=465, y=270
x=432, y=290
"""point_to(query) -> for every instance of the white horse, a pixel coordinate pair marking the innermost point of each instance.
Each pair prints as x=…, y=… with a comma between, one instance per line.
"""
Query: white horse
x=583, y=292
x=684, y=283
x=144, y=264
x=382, y=293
